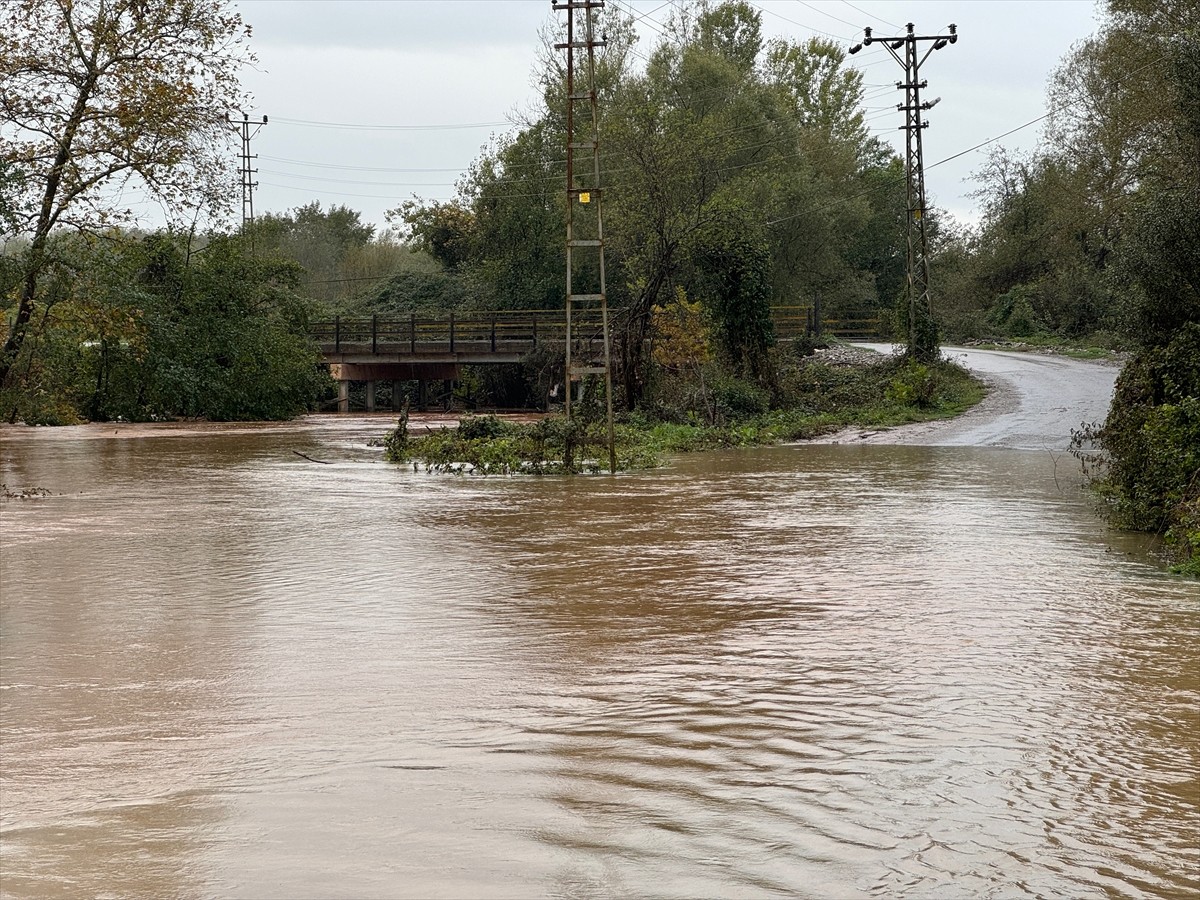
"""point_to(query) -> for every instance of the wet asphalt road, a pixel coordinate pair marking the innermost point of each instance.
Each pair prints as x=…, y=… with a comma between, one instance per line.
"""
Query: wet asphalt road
x=1035, y=402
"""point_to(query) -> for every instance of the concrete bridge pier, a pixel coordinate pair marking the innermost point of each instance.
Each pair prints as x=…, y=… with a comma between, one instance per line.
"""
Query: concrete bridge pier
x=371, y=373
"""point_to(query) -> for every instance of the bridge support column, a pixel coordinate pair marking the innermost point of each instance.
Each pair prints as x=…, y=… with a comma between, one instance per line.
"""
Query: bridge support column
x=343, y=396
x=370, y=396
x=422, y=395
x=397, y=402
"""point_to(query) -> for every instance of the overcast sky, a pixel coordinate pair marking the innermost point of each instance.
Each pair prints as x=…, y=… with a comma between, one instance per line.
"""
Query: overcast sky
x=406, y=92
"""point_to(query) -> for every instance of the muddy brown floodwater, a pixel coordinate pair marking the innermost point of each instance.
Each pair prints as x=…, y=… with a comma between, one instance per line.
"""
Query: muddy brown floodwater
x=822, y=671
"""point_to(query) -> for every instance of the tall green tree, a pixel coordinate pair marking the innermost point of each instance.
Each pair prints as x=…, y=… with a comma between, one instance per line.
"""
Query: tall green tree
x=229, y=337
x=726, y=163
x=101, y=94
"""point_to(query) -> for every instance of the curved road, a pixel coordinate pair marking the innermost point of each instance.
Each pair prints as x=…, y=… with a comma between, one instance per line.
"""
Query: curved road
x=1034, y=403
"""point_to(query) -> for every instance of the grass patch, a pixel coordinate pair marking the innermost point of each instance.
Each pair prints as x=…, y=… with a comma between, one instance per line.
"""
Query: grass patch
x=814, y=399
x=1099, y=345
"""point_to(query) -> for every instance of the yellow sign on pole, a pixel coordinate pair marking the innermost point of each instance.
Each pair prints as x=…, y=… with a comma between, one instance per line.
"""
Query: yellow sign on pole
x=585, y=197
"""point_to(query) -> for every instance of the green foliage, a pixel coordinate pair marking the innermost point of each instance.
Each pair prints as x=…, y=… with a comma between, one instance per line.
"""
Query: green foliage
x=912, y=385
x=487, y=445
x=414, y=292
x=395, y=443
x=1158, y=265
x=1014, y=312
x=822, y=399
x=730, y=31
x=1099, y=231
x=827, y=96
x=890, y=391
x=733, y=263
x=153, y=328
x=1150, y=475
x=718, y=135
x=474, y=428
x=446, y=231
x=232, y=341
x=11, y=188
x=345, y=263
x=737, y=399
x=916, y=328
x=512, y=230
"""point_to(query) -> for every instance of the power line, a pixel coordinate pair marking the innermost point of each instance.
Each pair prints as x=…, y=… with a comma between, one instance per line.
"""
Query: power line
x=876, y=18
x=357, y=127
x=1054, y=109
x=828, y=15
x=320, y=165
x=991, y=140
x=645, y=17
x=326, y=180
x=800, y=24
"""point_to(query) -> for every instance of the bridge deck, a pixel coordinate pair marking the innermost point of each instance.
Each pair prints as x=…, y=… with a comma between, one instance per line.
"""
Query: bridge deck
x=506, y=336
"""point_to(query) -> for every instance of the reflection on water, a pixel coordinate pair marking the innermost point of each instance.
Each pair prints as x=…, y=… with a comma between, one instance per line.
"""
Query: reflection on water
x=821, y=671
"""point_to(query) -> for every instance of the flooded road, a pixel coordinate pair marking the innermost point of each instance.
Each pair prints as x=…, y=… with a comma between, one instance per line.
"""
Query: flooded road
x=809, y=671
x=1035, y=402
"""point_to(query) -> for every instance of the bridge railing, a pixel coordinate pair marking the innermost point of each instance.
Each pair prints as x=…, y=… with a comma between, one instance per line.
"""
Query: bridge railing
x=792, y=322
x=498, y=332
x=512, y=331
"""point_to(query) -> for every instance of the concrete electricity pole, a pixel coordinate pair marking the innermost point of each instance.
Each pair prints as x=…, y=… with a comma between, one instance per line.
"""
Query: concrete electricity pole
x=243, y=130
x=583, y=190
x=922, y=331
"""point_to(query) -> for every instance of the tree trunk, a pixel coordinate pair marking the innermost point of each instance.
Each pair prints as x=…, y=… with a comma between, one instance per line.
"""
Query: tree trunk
x=47, y=217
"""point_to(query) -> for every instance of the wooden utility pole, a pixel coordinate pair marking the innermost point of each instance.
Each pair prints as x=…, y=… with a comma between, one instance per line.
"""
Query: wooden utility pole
x=583, y=191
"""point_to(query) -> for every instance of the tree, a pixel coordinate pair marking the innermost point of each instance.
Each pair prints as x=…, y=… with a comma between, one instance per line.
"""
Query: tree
x=10, y=181
x=734, y=264
x=228, y=337
x=827, y=96
x=100, y=95
x=1138, y=81
x=443, y=230
x=733, y=178
x=322, y=241
x=143, y=327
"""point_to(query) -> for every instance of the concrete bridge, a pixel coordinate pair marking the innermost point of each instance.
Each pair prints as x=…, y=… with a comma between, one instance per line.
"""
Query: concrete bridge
x=433, y=348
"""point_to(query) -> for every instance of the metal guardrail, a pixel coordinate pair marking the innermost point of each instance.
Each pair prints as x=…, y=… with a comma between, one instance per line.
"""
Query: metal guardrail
x=508, y=331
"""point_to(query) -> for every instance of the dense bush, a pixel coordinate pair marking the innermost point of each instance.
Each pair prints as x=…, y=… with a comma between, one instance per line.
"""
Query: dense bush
x=1150, y=474
x=142, y=329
